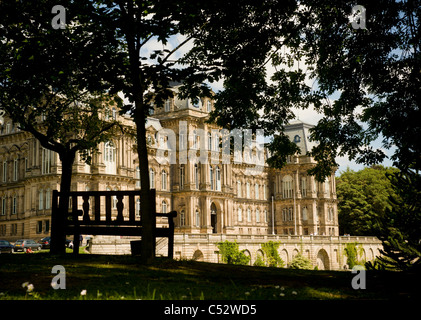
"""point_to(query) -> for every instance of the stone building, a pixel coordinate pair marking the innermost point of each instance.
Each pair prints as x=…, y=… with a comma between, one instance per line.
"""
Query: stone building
x=213, y=190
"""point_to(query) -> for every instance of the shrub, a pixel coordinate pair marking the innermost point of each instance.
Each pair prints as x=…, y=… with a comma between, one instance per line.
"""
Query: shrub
x=270, y=250
x=301, y=262
x=231, y=253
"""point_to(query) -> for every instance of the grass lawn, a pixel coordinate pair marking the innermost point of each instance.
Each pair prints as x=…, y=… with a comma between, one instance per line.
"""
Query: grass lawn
x=122, y=277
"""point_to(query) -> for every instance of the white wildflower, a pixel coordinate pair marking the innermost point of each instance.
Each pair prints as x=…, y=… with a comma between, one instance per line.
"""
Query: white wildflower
x=247, y=293
x=282, y=294
x=83, y=292
x=294, y=293
x=30, y=288
x=25, y=284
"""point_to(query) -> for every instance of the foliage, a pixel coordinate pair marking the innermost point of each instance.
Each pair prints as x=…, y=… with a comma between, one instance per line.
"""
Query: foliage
x=270, y=250
x=399, y=228
x=231, y=253
x=352, y=252
x=374, y=76
x=259, y=261
x=301, y=262
x=363, y=196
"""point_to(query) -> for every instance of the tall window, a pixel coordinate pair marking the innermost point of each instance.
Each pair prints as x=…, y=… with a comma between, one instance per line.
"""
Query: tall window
x=3, y=206
x=196, y=175
x=240, y=214
x=239, y=188
x=256, y=191
x=303, y=186
x=248, y=190
x=257, y=215
x=287, y=214
x=182, y=177
x=4, y=171
x=41, y=199
x=45, y=160
x=182, y=218
x=14, y=205
x=110, y=157
x=164, y=180
x=304, y=214
x=164, y=207
x=167, y=105
x=48, y=199
x=209, y=106
x=209, y=141
x=137, y=177
x=138, y=207
x=197, y=215
x=15, y=169
x=264, y=192
x=287, y=187
x=211, y=177
x=248, y=214
x=218, y=179
x=327, y=187
x=152, y=178
x=330, y=214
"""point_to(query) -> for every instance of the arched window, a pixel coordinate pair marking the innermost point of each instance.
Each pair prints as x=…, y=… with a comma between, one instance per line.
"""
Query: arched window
x=164, y=206
x=257, y=215
x=164, y=180
x=248, y=190
x=256, y=191
x=248, y=214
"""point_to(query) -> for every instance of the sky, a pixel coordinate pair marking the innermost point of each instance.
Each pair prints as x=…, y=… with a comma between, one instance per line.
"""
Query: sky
x=309, y=115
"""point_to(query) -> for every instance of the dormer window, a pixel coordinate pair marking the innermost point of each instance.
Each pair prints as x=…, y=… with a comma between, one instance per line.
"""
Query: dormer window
x=209, y=106
x=167, y=105
x=297, y=139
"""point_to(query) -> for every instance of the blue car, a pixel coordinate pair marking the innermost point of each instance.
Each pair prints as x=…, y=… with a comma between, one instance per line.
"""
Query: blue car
x=5, y=247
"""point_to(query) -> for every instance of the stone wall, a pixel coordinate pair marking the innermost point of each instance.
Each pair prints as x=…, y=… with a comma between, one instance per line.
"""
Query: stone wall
x=325, y=252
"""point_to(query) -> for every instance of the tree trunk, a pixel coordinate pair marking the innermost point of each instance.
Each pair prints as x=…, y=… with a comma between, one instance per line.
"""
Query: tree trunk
x=58, y=236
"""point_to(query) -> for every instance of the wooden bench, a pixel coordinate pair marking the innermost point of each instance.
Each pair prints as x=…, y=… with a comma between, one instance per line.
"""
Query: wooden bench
x=91, y=219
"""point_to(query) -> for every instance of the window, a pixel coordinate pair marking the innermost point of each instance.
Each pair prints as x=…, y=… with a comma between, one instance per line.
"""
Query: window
x=209, y=141
x=14, y=205
x=211, y=177
x=257, y=215
x=114, y=200
x=196, y=175
x=287, y=214
x=197, y=215
x=3, y=206
x=167, y=105
x=15, y=169
x=110, y=157
x=287, y=187
x=218, y=179
x=39, y=226
x=303, y=186
x=4, y=171
x=164, y=180
x=265, y=213
x=304, y=214
x=297, y=139
x=114, y=113
x=240, y=214
x=195, y=138
x=182, y=177
x=45, y=160
x=264, y=192
x=330, y=214
x=209, y=106
x=137, y=177
x=239, y=188
x=164, y=207
x=327, y=187
x=256, y=191
x=248, y=190
x=182, y=218
x=138, y=207
x=248, y=214
x=152, y=178
x=41, y=200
